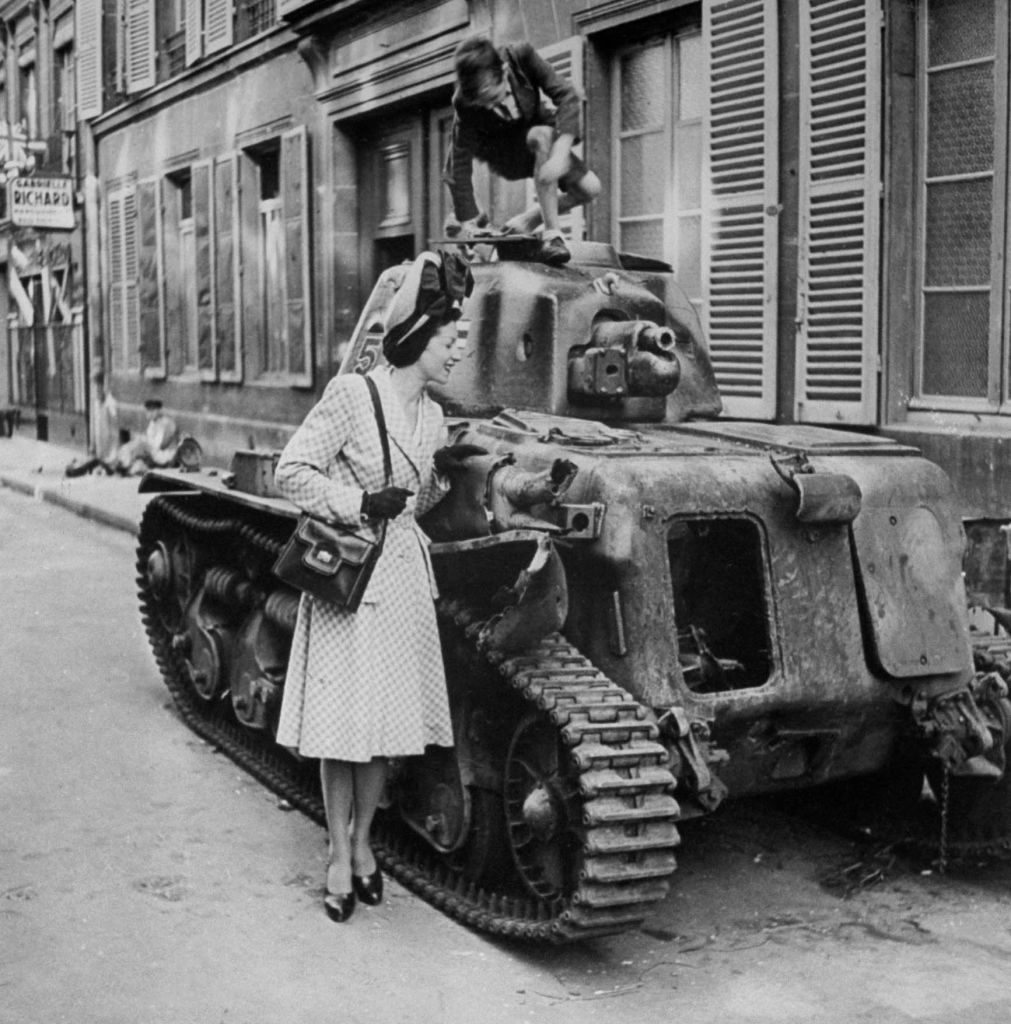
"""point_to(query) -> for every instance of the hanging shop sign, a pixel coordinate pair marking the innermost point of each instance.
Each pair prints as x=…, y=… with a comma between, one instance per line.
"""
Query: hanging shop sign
x=41, y=202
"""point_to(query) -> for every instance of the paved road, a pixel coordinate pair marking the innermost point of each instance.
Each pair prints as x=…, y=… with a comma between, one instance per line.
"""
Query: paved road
x=144, y=880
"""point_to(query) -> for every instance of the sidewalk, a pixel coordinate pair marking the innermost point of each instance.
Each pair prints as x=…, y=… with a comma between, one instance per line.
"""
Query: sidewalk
x=36, y=468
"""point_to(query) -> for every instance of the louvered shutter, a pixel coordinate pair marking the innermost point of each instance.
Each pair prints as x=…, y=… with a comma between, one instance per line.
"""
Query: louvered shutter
x=194, y=30
x=203, y=213
x=295, y=209
x=740, y=229
x=114, y=236
x=566, y=57
x=837, y=272
x=140, y=67
x=226, y=270
x=88, y=36
x=218, y=25
x=150, y=278
x=131, y=297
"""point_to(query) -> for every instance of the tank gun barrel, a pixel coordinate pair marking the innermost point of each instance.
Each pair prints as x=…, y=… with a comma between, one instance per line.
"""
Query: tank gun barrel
x=626, y=358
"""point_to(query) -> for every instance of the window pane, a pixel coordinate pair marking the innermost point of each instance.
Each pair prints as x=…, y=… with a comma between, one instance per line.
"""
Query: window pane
x=955, y=344
x=689, y=258
x=643, y=172
x=644, y=238
x=961, y=118
x=691, y=77
x=688, y=166
x=959, y=215
x=643, y=88
x=959, y=30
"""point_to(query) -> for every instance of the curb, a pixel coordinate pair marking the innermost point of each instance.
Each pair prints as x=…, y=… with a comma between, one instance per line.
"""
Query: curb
x=82, y=508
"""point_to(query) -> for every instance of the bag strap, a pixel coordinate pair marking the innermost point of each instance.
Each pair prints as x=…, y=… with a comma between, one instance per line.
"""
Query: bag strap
x=385, y=442
x=383, y=436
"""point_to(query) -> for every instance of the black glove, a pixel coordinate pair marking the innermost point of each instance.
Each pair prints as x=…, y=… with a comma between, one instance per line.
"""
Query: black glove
x=452, y=457
x=385, y=504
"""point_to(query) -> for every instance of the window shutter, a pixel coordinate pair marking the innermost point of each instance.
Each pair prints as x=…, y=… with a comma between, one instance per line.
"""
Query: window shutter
x=219, y=25
x=130, y=297
x=837, y=271
x=740, y=232
x=203, y=213
x=194, y=30
x=228, y=320
x=150, y=274
x=115, y=245
x=295, y=207
x=140, y=69
x=566, y=57
x=89, y=58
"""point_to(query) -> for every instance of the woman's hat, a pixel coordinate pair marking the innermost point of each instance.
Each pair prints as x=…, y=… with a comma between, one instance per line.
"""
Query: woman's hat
x=433, y=289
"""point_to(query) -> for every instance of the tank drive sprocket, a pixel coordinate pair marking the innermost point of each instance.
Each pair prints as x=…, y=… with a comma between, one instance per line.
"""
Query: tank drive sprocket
x=589, y=814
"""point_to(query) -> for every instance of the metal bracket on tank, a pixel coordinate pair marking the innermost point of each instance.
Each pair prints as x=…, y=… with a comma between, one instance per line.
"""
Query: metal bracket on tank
x=822, y=497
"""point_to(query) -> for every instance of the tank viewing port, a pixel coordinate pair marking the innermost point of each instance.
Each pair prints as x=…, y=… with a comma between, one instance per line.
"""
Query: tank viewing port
x=720, y=603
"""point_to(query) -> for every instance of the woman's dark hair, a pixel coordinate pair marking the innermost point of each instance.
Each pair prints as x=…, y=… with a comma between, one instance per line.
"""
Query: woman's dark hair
x=475, y=60
x=409, y=351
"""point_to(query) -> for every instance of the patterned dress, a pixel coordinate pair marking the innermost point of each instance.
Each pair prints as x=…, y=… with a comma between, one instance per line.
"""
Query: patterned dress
x=368, y=683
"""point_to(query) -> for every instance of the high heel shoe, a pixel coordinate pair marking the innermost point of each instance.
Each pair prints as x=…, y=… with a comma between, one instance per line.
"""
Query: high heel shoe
x=339, y=906
x=369, y=888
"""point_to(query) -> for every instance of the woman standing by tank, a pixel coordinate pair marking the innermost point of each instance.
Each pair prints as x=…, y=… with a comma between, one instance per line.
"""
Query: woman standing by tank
x=369, y=685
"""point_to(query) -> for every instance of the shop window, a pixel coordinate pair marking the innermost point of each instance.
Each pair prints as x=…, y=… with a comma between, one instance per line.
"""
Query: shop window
x=963, y=330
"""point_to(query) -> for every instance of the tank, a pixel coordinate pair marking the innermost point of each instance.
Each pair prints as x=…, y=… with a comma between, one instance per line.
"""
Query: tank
x=645, y=610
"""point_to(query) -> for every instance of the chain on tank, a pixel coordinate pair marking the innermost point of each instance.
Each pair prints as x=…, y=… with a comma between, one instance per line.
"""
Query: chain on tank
x=618, y=781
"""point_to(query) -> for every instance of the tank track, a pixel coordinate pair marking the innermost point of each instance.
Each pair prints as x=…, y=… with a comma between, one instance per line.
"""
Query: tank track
x=627, y=831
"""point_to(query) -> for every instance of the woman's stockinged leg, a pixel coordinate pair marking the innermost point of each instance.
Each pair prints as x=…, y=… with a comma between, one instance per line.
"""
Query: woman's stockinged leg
x=338, y=798
x=369, y=780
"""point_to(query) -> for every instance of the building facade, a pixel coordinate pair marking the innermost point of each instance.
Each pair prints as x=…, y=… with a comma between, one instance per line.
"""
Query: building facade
x=829, y=178
x=42, y=298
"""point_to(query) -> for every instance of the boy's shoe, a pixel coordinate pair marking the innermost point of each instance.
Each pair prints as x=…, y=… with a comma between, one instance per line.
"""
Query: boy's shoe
x=554, y=251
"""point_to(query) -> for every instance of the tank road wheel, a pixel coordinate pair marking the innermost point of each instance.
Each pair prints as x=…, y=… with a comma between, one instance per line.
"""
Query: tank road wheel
x=168, y=575
x=542, y=809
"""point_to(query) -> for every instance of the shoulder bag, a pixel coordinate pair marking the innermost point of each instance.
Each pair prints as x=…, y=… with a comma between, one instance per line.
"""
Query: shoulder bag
x=334, y=563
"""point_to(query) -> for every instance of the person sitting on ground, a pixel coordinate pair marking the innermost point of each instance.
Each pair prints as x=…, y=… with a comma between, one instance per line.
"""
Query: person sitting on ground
x=157, y=446
x=502, y=119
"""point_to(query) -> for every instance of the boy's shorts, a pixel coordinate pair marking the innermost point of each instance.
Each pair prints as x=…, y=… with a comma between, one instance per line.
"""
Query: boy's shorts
x=513, y=161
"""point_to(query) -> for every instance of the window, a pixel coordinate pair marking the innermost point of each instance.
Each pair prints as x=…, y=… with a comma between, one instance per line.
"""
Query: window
x=28, y=93
x=962, y=330
x=185, y=269
x=272, y=278
x=659, y=93
x=64, y=107
x=254, y=17
x=271, y=217
x=694, y=173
